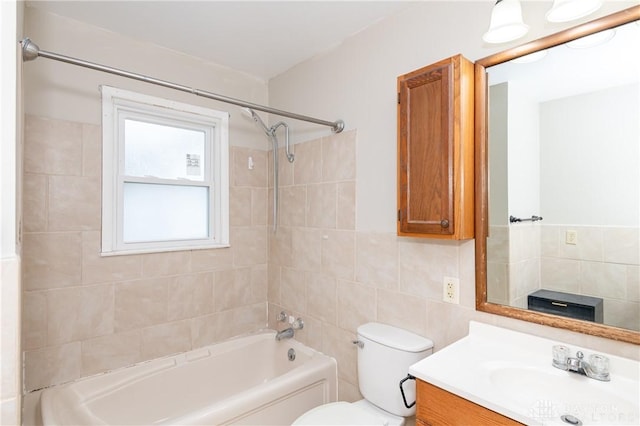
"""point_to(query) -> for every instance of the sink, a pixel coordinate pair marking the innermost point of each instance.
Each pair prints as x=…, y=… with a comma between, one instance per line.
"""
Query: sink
x=510, y=373
x=551, y=394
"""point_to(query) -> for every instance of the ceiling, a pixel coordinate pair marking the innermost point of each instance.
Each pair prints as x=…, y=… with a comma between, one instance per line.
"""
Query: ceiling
x=262, y=38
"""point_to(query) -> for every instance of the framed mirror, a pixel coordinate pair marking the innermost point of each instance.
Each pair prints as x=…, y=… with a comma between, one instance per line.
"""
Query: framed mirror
x=558, y=179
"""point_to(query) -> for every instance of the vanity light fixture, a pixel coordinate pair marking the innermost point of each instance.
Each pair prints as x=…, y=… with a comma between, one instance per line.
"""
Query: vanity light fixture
x=506, y=22
x=569, y=10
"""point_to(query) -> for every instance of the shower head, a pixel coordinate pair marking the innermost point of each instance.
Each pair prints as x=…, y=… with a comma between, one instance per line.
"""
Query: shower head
x=251, y=113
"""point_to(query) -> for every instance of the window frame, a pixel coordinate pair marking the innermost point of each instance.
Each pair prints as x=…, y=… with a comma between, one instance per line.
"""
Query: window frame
x=119, y=105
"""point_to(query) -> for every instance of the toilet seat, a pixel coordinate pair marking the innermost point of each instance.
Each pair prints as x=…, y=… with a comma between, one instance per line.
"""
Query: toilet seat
x=339, y=413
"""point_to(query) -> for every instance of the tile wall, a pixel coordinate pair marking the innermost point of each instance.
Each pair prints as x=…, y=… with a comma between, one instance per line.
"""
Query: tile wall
x=85, y=314
x=335, y=278
x=604, y=262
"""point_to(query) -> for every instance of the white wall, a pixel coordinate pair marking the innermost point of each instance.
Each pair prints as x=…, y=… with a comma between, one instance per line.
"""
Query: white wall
x=67, y=92
x=591, y=141
x=10, y=133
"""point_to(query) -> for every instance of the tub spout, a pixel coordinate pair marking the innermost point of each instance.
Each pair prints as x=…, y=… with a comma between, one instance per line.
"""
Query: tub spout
x=285, y=334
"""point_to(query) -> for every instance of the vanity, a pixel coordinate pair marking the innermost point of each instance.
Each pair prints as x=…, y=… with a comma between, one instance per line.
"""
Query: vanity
x=495, y=376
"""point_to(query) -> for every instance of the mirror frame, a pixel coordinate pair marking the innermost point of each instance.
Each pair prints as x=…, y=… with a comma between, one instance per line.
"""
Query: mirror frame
x=482, y=187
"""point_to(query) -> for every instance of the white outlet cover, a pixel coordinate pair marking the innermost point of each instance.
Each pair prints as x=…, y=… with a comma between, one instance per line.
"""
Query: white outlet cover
x=455, y=290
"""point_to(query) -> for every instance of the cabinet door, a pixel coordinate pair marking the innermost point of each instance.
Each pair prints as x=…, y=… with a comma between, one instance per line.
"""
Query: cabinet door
x=435, y=150
x=437, y=407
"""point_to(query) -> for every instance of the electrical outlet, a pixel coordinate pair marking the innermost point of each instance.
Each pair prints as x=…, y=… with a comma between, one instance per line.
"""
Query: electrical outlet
x=451, y=290
x=571, y=237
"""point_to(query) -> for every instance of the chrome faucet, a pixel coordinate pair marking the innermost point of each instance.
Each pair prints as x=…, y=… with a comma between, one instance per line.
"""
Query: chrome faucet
x=288, y=333
x=284, y=334
x=597, y=368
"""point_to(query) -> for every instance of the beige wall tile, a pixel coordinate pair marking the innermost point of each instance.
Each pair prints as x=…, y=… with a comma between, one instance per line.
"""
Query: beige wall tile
x=293, y=201
x=603, y=279
x=620, y=313
x=140, y=303
x=241, y=175
x=204, y=331
x=52, y=366
x=622, y=245
x=97, y=269
x=349, y=392
x=293, y=289
x=280, y=247
x=211, y=259
x=321, y=206
x=34, y=320
x=346, y=207
x=240, y=206
x=52, y=260
x=166, y=339
x=633, y=283
x=273, y=290
x=402, y=310
x=423, y=265
x=336, y=342
x=249, y=246
x=310, y=335
x=339, y=157
x=165, y=264
x=245, y=319
x=306, y=249
x=74, y=203
x=52, y=146
x=110, y=352
x=190, y=296
x=286, y=168
x=79, y=313
x=308, y=163
x=91, y=150
x=232, y=289
x=34, y=202
x=356, y=305
x=338, y=254
x=377, y=259
x=259, y=283
x=259, y=206
x=321, y=297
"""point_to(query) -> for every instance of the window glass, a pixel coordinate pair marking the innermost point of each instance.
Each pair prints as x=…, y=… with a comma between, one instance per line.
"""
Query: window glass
x=155, y=212
x=162, y=151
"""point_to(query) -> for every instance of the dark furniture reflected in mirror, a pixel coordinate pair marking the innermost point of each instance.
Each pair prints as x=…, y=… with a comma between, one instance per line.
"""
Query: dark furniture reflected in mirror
x=547, y=270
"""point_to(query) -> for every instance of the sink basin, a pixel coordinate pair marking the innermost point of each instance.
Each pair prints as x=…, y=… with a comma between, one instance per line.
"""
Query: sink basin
x=551, y=394
x=511, y=373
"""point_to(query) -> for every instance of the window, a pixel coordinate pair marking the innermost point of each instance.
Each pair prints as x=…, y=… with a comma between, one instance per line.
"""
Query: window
x=165, y=175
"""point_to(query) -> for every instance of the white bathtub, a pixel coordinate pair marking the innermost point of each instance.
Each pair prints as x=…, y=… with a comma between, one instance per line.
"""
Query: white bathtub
x=247, y=380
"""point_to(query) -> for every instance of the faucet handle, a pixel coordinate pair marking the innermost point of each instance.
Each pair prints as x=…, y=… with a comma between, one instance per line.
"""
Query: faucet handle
x=579, y=355
x=298, y=324
x=282, y=317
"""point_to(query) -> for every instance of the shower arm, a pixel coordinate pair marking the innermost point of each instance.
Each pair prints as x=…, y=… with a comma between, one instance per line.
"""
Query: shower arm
x=287, y=148
x=31, y=51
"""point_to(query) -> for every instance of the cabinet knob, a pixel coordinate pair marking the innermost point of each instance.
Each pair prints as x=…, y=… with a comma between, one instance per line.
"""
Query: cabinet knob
x=444, y=223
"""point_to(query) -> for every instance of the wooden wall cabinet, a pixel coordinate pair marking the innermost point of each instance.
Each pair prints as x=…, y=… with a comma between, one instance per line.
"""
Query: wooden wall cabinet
x=436, y=151
x=436, y=407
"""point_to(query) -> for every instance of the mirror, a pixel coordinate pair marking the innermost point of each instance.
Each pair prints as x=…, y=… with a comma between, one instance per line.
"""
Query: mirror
x=558, y=180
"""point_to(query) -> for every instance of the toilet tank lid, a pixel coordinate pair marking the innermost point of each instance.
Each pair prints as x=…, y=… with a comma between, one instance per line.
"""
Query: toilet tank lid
x=394, y=337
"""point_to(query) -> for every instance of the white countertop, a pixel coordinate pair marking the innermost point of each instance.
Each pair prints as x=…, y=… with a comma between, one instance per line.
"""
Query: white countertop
x=511, y=373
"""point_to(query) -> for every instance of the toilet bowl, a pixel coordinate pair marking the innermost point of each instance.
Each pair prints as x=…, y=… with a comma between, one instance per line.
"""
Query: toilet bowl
x=384, y=356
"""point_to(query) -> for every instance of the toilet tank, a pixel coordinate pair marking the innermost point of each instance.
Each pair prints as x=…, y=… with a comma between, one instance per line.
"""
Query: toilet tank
x=384, y=360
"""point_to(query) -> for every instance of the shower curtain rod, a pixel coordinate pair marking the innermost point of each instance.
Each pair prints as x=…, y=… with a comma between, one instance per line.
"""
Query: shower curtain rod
x=31, y=51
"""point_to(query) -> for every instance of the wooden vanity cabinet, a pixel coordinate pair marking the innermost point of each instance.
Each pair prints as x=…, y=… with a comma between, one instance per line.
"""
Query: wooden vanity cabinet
x=436, y=151
x=436, y=406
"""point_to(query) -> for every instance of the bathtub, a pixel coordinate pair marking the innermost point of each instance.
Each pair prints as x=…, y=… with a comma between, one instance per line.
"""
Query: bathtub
x=247, y=380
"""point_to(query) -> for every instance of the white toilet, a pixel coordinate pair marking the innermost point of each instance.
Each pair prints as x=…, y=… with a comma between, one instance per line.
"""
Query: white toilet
x=384, y=358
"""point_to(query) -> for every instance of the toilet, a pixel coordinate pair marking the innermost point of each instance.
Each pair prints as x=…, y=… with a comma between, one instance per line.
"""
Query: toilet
x=384, y=356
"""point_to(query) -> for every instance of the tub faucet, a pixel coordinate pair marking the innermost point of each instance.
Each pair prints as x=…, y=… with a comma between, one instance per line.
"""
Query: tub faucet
x=285, y=334
x=288, y=333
